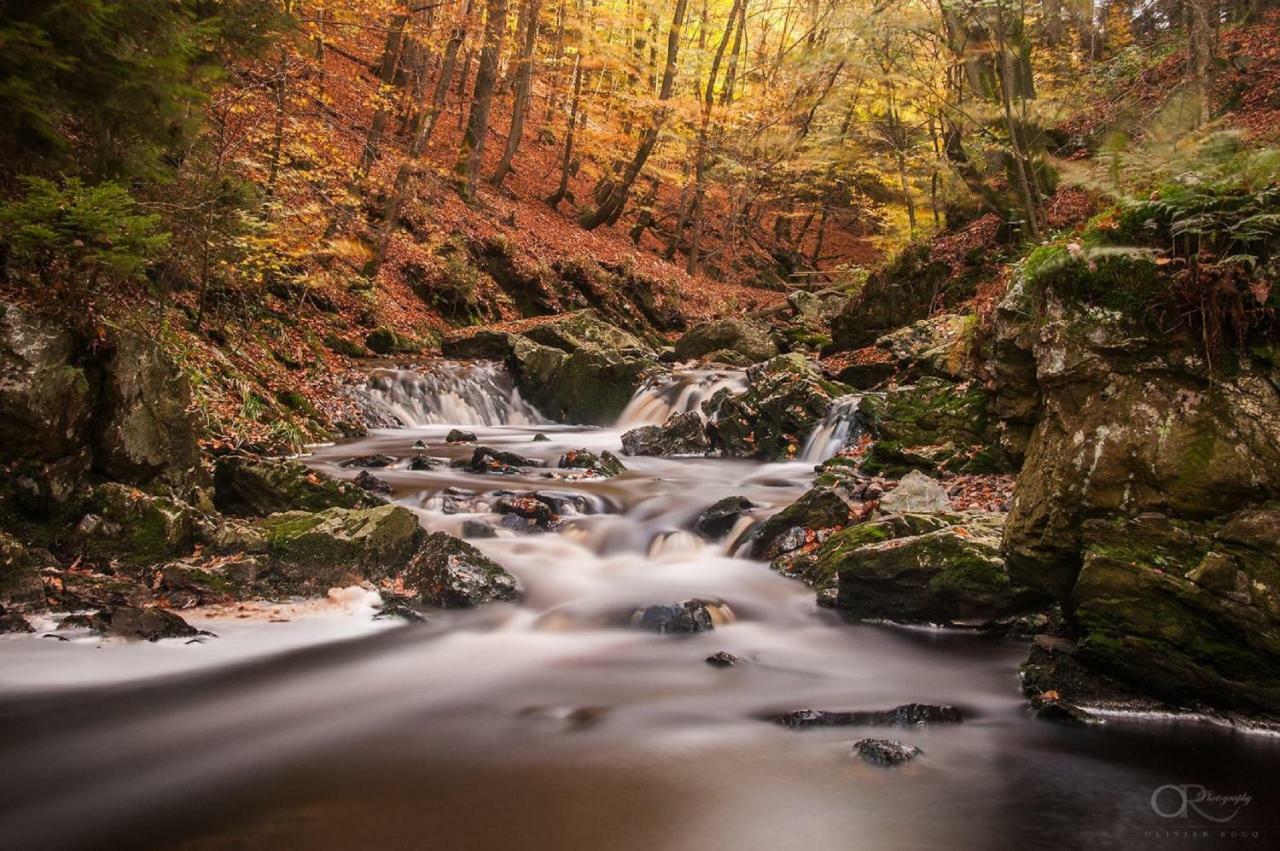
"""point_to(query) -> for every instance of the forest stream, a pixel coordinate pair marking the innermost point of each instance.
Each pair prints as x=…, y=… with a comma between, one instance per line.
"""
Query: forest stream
x=552, y=724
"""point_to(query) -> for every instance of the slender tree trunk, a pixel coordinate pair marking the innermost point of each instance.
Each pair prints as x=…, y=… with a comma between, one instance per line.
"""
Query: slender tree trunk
x=566, y=162
x=277, y=130
x=524, y=86
x=386, y=76
x=611, y=206
x=447, y=67
x=471, y=154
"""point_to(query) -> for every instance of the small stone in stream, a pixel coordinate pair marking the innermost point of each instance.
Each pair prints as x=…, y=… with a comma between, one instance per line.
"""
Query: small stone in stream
x=378, y=460
x=368, y=481
x=722, y=659
x=916, y=493
x=450, y=506
x=906, y=715
x=478, y=529
x=398, y=607
x=605, y=465
x=541, y=438
x=151, y=623
x=423, y=462
x=527, y=508
x=449, y=572
x=885, y=752
x=560, y=503
x=1051, y=709
x=718, y=520
x=683, y=618
x=419, y=444
x=486, y=459
x=457, y=435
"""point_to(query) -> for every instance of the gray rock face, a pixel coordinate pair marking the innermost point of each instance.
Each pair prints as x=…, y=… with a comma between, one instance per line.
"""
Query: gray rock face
x=916, y=493
x=46, y=400
x=752, y=341
x=146, y=433
x=451, y=573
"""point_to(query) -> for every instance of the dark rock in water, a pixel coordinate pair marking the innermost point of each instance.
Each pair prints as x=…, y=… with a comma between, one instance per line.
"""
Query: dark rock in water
x=531, y=509
x=563, y=503
x=132, y=526
x=488, y=460
x=886, y=752
x=13, y=622
x=450, y=506
x=605, y=465
x=245, y=486
x=906, y=715
x=683, y=618
x=457, y=435
x=448, y=572
x=751, y=341
x=423, y=462
x=371, y=483
x=541, y=438
x=718, y=520
x=722, y=659
x=1061, y=686
x=419, y=444
x=478, y=529
x=151, y=623
x=681, y=434
x=377, y=460
x=399, y=608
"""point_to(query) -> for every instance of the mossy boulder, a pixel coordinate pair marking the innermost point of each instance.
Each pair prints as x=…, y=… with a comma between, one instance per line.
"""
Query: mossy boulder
x=20, y=583
x=935, y=425
x=386, y=341
x=938, y=346
x=818, y=567
x=1189, y=609
x=47, y=400
x=451, y=573
x=586, y=330
x=605, y=465
x=134, y=527
x=750, y=340
x=786, y=398
x=245, y=486
x=313, y=551
x=681, y=434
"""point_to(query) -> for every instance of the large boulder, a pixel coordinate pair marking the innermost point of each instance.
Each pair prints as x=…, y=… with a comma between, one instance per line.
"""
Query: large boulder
x=451, y=573
x=935, y=425
x=937, y=346
x=681, y=434
x=145, y=430
x=786, y=398
x=902, y=293
x=916, y=493
x=255, y=487
x=134, y=527
x=46, y=398
x=585, y=330
x=590, y=386
x=314, y=551
x=728, y=340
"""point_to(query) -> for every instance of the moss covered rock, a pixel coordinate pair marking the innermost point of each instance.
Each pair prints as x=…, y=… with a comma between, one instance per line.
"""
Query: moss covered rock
x=254, y=487
x=134, y=527
x=935, y=425
x=751, y=341
x=681, y=434
x=339, y=546
x=451, y=573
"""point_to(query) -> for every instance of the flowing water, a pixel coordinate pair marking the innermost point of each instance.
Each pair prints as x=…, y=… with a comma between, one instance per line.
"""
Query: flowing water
x=539, y=725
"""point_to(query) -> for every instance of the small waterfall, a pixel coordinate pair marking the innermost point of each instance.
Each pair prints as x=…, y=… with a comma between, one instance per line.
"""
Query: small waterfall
x=676, y=393
x=445, y=393
x=834, y=432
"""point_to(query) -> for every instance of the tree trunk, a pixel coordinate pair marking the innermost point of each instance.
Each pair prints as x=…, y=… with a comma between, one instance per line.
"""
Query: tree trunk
x=524, y=86
x=611, y=206
x=556, y=197
x=471, y=154
x=447, y=67
x=386, y=76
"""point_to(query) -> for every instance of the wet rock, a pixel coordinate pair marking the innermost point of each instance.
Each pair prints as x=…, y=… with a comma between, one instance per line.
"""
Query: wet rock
x=457, y=435
x=145, y=431
x=586, y=330
x=906, y=715
x=13, y=622
x=424, y=462
x=485, y=459
x=885, y=752
x=681, y=434
x=1061, y=686
x=533, y=511
x=752, y=341
x=398, y=608
x=541, y=438
x=478, y=529
x=685, y=618
x=786, y=398
x=722, y=659
x=451, y=573
x=338, y=547
x=251, y=487
x=135, y=527
x=197, y=582
x=367, y=481
x=823, y=507
x=933, y=425
x=483, y=345
x=20, y=582
x=719, y=519
x=605, y=465
x=419, y=444
x=374, y=461
x=916, y=493
x=148, y=623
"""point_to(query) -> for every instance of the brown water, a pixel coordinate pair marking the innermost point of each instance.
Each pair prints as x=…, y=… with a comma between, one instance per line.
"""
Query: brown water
x=532, y=726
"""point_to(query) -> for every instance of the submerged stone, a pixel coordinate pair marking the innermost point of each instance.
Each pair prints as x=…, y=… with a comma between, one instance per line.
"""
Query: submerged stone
x=885, y=752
